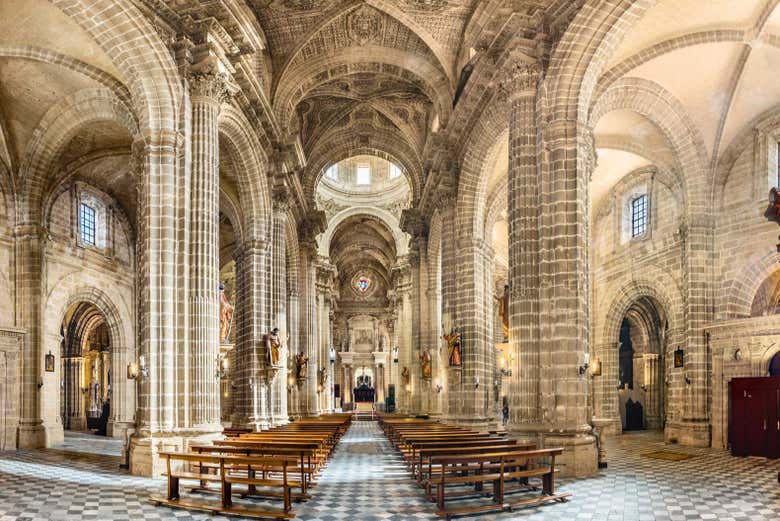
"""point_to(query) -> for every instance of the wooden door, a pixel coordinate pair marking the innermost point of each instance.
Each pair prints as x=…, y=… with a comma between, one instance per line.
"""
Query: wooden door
x=754, y=422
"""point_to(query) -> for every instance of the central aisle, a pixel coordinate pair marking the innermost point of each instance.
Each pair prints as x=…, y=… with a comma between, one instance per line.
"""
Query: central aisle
x=365, y=481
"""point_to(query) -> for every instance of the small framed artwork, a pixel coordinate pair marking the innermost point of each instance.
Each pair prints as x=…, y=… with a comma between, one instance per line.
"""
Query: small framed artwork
x=49, y=365
x=679, y=357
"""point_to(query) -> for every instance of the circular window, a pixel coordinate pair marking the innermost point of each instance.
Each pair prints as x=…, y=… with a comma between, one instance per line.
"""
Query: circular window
x=361, y=283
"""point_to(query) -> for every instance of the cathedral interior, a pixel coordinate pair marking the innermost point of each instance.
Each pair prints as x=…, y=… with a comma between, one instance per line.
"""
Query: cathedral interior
x=377, y=259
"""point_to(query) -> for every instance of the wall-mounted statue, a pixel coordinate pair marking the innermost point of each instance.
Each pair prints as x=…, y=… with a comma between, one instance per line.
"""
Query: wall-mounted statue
x=405, y=376
x=273, y=344
x=454, y=348
x=225, y=315
x=322, y=376
x=301, y=361
x=425, y=364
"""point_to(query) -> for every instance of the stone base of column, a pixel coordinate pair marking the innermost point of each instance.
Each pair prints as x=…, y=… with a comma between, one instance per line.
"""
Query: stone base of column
x=144, y=450
x=468, y=422
x=118, y=429
x=691, y=433
x=32, y=436
x=256, y=424
x=78, y=423
x=608, y=426
x=580, y=454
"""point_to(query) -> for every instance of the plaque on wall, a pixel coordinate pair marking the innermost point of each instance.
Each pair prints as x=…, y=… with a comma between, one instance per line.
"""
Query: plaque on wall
x=679, y=357
x=49, y=363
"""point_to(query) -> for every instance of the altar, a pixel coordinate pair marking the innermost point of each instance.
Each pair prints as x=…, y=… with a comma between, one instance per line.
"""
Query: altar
x=364, y=393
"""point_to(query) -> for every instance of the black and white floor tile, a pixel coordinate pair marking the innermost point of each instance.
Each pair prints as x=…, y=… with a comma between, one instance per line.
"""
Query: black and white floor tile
x=365, y=481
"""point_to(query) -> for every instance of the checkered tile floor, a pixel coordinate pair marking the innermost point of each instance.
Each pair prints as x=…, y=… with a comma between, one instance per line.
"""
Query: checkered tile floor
x=365, y=482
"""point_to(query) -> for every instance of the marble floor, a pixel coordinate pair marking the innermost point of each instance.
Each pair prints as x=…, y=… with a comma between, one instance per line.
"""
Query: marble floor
x=365, y=481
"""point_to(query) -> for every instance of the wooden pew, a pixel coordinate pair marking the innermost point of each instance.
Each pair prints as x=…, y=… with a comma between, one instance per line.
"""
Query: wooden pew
x=496, y=468
x=227, y=476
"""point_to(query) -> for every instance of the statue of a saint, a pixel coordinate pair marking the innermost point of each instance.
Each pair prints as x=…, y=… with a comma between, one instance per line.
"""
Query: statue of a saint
x=503, y=311
x=425, y=364
x=273, y=344
x=322, y=376
x=453, y=348
x=405, y=375
x=301, y=361
x=225, y=315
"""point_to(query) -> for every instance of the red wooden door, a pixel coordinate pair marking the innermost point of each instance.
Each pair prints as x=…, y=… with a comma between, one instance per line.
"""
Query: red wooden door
x=754, y=424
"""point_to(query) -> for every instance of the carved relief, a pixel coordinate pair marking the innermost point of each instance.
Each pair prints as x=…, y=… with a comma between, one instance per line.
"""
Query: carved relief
x=364, y=24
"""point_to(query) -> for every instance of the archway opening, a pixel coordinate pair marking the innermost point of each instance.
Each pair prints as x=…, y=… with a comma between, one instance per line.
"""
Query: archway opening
x=641, y=355
x=774, y=365
x=85, y=387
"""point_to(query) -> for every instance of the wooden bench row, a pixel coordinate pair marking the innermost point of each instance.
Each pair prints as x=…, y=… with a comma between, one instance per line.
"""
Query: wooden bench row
x=277, y=464
x=454, y=463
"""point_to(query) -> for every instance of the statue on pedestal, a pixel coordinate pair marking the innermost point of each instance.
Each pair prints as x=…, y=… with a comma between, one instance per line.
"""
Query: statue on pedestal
x=301, y=361
x=405, y=375
x=273, y=344
x=453, y=348
x=225, y=315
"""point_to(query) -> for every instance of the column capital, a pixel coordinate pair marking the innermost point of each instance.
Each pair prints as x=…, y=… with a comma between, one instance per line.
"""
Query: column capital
x=215, y=86
x=521, y=79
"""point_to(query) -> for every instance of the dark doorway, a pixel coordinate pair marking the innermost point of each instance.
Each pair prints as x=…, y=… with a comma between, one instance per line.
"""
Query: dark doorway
x=626, y=355
x=774, y=365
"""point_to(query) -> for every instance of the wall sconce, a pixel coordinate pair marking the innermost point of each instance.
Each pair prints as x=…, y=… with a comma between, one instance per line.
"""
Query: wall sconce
x=687, y=379
x=332, y=353
x=139, y=369
x=437, y=385
x=595, y=367
x=49, y=365
x=40, y=383
x=476, y=382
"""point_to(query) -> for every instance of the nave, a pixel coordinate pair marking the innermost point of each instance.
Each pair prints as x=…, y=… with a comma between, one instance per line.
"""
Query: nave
x=367, y=481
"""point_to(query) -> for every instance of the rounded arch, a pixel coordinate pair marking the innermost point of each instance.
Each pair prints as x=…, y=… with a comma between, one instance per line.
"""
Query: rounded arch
x=135, y=48
x=346, y=143
x=478, y=158
x=669, y=302
x=312, y=73
x=119, y=321
x=237, y=136
x=583, y=52
x=739, y=294
x=55, y=130
x=651, y=101
x=389, y=220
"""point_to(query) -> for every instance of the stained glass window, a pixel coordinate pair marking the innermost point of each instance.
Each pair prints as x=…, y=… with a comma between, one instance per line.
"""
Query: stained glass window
x=361, y=283
x=87, y=224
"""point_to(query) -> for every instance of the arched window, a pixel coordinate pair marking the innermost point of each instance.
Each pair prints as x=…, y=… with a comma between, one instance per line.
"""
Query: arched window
x=363, y=175
x=331, y=172
x=395, y=171
x=639, y=215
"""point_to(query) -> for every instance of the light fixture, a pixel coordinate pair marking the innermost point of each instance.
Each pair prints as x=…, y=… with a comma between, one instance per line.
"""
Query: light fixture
x=437, y=385
x=595, y=367
x=584, y=367
x=222, y=367
x=408, y=388
x=290, y=384
x=476, y=382
x=49, y=366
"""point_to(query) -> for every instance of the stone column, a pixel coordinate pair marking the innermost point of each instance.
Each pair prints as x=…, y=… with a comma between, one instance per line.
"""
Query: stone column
x=73, y=369
x=606, y=415
x=278, y=315
x=325, y=282
x=251, y=406
x=162, y=172
x=293, y=312
x=549, y=310
x=407, y=357
x=208, y=91
x=28, y=269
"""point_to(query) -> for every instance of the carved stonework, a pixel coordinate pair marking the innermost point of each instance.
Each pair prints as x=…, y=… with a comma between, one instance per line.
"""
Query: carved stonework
x=428, y=5
x=210, y=85
x=522, y=79
x=364, y=24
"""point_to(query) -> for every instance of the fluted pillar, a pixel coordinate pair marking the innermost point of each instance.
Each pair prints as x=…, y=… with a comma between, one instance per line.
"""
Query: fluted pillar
x=294, y=326
x=251, y=400
x=548, y=263
x=307, y=396
x=73, y=374
x=606, y=415
x=208, y=91
x=278, y=312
